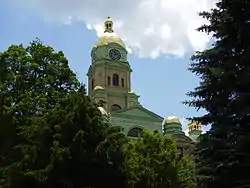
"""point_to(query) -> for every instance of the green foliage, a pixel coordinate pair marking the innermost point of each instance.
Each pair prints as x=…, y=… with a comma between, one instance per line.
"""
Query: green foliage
x=51, y=133
x=33, y=80
x=82, y=147
x=223, y=157
x=153, y=161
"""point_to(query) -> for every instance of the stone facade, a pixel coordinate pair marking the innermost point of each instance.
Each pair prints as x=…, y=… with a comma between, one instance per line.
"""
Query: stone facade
x=136, y=119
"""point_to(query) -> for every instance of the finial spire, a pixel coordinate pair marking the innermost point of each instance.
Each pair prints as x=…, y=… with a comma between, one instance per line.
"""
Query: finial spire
x=108, y=24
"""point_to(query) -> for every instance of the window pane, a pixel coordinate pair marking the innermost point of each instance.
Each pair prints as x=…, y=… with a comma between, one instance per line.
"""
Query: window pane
x=115, y=80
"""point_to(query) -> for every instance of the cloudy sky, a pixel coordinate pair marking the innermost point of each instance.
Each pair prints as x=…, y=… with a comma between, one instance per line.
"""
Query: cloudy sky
x=160, y=36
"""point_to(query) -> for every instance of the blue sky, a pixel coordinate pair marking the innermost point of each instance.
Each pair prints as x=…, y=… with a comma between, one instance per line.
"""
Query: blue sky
x=161, y=82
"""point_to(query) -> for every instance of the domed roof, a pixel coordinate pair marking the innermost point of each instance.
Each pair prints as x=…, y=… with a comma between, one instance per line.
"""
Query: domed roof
x=103, y=111
x=131, y=91
x=172, y=125
x=98, y=87
x=171, y=119
x=109, y=36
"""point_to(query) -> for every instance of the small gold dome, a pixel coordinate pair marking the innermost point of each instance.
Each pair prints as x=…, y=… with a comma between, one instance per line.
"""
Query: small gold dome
x=103, y=111
x=171, y=119
x=98, y=87
x=131, y=91
x=109, y=36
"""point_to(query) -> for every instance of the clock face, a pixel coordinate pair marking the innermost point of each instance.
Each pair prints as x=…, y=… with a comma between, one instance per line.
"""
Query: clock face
x=114, y=54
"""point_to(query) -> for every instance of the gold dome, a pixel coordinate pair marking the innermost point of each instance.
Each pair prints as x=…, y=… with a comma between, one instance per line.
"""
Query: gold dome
x=98, y=87
x=103, y=111
x=171, y=119
x=131, y=91
x=109, y=36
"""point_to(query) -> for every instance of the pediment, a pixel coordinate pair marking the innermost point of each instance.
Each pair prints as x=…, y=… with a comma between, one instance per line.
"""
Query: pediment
x=138, y=112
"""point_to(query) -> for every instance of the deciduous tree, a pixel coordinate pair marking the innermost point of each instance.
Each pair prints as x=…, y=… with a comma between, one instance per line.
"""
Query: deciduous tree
x=153, y=161
x=53, y=135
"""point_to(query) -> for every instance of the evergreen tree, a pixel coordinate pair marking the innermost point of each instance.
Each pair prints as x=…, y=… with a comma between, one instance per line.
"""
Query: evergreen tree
x=223, y=155
x=153, y=161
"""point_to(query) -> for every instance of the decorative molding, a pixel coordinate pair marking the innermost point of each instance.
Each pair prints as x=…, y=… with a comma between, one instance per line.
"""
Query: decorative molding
x=137, y=117
x=110, y=64
x=140, y=108
x=114, y=94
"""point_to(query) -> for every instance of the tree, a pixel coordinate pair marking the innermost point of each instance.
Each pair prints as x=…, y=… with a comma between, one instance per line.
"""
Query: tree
x=58, y=136
x=33, y=80
x=84, y=150
x=222, y=154
x=153, y=161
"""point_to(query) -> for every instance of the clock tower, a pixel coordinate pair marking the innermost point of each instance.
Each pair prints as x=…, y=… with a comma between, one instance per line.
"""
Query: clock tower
x=109, y=75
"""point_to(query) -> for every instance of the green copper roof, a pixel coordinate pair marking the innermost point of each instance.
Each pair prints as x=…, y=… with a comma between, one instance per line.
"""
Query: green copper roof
x=172, y=125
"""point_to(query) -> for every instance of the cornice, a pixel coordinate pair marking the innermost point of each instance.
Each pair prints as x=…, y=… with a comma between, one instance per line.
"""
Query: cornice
x=113, y=65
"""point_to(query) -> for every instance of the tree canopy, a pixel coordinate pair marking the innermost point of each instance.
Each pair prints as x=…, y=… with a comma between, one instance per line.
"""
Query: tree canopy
x=52, y=134
x=222, y=154
x=153, y=161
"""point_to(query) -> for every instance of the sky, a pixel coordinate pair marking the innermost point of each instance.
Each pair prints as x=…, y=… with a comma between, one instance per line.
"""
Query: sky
x=160, y=36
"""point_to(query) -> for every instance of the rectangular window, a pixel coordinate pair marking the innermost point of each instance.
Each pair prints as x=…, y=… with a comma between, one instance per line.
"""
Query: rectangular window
x=122, y=82
x=109, y=80
x=93, y=84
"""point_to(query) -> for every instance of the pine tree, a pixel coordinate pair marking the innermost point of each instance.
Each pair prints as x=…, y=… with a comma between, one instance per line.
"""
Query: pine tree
x=223, y=155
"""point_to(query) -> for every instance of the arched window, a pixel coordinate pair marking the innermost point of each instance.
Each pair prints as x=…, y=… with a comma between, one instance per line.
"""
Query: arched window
x=135, y=132
x=109, y=80
x=115, y=107
x=156, y=131
x=115, y=80
x=108, y=25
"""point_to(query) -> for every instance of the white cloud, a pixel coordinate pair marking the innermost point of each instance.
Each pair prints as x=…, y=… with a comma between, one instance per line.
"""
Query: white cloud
x=150, y=28
x=184, y=123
